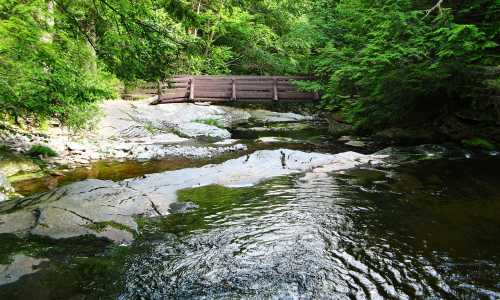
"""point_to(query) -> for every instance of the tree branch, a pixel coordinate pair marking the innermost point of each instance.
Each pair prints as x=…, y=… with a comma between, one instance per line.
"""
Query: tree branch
x=430, y=10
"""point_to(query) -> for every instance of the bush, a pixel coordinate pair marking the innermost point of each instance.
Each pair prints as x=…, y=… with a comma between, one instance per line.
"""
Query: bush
x=39, y=150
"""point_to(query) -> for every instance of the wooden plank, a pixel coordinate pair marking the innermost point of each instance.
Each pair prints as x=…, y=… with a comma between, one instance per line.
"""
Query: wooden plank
x=214, y=83
x=255, y=95
x=254, y=87
x=210, y=94
x=213, y=88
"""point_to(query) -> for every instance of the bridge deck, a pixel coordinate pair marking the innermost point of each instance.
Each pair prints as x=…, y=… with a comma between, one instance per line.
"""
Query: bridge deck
x=233, y=88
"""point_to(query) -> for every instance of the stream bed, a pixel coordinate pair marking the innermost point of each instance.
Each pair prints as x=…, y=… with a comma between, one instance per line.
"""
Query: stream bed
x=417, y=228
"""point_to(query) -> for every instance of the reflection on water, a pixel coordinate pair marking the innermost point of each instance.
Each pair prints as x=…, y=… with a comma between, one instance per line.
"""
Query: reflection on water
x=425, y=230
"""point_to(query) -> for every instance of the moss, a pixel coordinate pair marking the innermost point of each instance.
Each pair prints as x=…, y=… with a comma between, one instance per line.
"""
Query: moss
x=27, y=176
x=211, y=122
x=478, y=142
x=101, y=226
x=45, y=151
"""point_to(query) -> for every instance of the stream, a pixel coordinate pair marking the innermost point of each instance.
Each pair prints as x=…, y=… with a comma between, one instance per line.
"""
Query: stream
x=426, y=225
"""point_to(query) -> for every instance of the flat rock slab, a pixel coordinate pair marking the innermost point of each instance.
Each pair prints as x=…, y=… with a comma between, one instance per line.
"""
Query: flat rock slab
x=109, y=209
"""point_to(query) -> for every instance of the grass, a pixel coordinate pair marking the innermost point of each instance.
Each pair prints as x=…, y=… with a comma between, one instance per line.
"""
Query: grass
x=211, y=122
x=149, y=127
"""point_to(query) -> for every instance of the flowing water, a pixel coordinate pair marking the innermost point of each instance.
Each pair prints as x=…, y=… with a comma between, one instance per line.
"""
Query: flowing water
x=426, y=229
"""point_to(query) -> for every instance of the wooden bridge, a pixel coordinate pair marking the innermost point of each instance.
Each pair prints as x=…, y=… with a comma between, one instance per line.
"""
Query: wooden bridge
x=232, y=89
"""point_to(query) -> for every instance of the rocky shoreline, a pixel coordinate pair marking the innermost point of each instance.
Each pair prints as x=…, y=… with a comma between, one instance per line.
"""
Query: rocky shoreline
x=134, y=131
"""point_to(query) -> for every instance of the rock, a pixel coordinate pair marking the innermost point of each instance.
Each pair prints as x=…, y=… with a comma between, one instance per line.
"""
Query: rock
x=5, y=186
x=357, y=144
x=345, y=138
x=18, y=222
x=198, y=130
x=226, y=142
x=72, y=146
x=107, y=209
x=20, y=266
x=266, y=116
x=270, y=140
x=203, y=103
x=159, y=151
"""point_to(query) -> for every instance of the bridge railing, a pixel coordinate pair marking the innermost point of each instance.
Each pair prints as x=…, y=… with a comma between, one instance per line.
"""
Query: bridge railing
x=233, y=88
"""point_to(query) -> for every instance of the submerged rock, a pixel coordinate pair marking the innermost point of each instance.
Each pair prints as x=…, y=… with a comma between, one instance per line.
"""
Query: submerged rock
x=107, y=209
x=21, y=265
x=182, y=207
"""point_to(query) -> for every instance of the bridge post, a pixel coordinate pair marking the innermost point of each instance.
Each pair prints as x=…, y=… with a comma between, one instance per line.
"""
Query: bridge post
x=191, y=89
x=275, y=89
x=233, y=96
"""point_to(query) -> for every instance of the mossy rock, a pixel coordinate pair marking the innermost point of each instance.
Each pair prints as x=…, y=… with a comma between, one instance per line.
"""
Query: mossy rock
x=15, y=165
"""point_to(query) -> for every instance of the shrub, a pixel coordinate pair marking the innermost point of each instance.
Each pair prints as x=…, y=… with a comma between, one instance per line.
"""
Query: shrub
x=44, y=151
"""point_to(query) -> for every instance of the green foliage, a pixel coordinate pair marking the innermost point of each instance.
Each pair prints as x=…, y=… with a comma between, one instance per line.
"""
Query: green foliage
x=378, y=62
x=384, y=63
x=45, y=71
x=39, y=150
